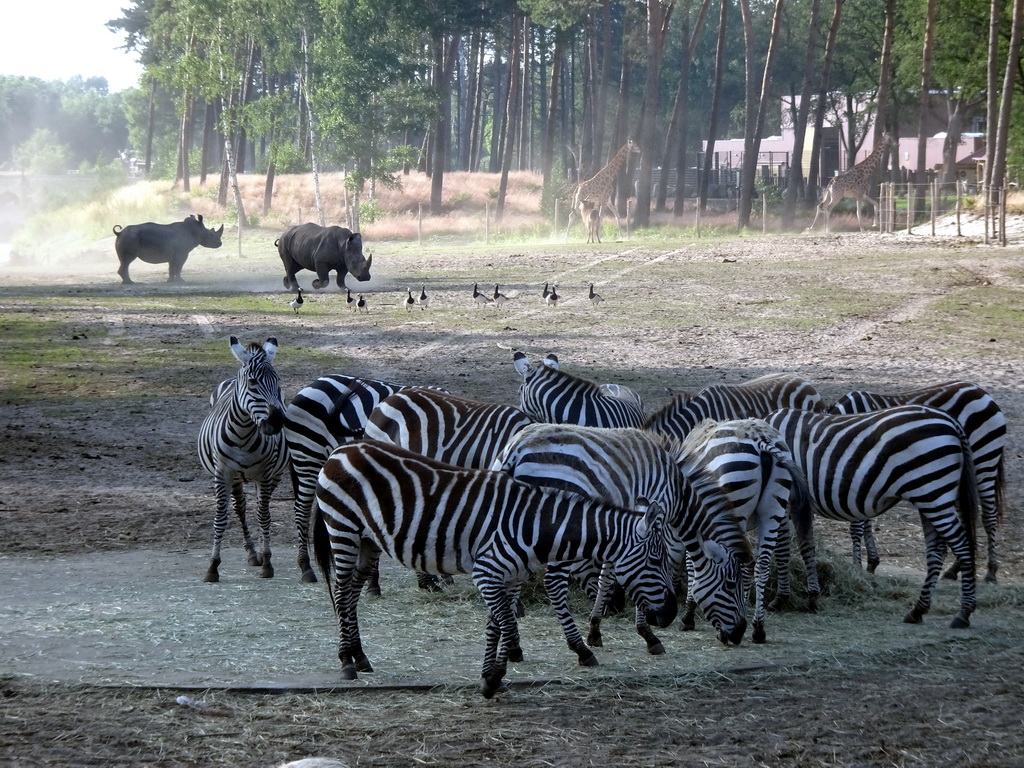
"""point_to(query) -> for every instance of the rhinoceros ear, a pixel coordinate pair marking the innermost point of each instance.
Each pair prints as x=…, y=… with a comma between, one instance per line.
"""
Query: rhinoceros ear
x=243, y=354
x=521, y=363
x=355, y=240
x=200, y=217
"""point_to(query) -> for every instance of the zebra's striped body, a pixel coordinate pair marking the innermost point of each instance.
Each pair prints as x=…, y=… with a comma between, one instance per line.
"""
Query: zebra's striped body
x=753, y=468
x=619, y=467
x=240, y=441
x=861, y=465
x=329, y=412
x=548, y=394
x=443, y=520
x=751, y=399
x=985, y=426
x=457, y=431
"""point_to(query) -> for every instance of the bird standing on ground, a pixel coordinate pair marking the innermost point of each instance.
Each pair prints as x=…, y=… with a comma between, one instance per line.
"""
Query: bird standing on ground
x=595, y=298
x=296, y=302
x=552, y=297
x=349, y=300
x=499, y=298
x=361, y=305
x=409, y=300
x=481, y=299
x=424, y=299
x=546, y=292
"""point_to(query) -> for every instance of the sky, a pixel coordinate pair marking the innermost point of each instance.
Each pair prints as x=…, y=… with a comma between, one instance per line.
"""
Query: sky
x=58, y=39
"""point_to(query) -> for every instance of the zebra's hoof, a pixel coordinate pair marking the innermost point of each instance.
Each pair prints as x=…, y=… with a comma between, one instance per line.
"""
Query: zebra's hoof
x=211, y=577
x=687, y=624
x=588, y=660
x=914, y=616
x=951, y=574
x=990, y=577
x=656, y=649
x=308, y=576
x=758, y=636
x=812, y=602
x=267, y=572
x=960, y=622
x=490, y=686
x=362, y=664
x=595, y=640
x=778, y=604
x=515, y=655
x=348, y=672
x=373, y=591
x=872, y=564
x=254, y=560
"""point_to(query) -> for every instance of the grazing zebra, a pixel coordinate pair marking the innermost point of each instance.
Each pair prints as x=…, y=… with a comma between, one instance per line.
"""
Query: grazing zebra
x=618, y=467
x=240, y=441
x=329, y=412
x=435, y=518
x=548, y=394
x=985, y=427
x=753, y=468
x=751, y=399
x=859, y=466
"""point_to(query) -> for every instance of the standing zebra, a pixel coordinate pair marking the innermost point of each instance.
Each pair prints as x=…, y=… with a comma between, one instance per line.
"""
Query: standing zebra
x=548, y=394
x=751, y=399
x=439, y=519
x=619, y=467
x=240, y=441
x=329, y=412
x=985, y=426
x=751, y=465
x=861, y=465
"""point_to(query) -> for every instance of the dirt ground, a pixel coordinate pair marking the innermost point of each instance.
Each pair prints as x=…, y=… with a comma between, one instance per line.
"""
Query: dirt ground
x=105, y=517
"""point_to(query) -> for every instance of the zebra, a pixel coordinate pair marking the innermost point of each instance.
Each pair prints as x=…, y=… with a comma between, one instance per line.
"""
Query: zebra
x=329, y=412
x=859, y=466
x=751, y=399
x=433, y=517
x=618, y=467
x=753, y=468
x=985, y=426
x=550, y=395
x=240, y=441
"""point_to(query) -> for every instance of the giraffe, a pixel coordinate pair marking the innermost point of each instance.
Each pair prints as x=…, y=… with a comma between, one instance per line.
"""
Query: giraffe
x=854, y=183
x=599, y=190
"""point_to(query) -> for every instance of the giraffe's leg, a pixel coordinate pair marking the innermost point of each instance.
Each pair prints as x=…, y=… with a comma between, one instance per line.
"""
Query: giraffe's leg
x=860, y=224
x=874, y=203
x=618, y=225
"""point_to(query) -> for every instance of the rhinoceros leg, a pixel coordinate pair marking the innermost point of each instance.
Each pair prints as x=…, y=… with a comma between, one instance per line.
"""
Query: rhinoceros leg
x=123, y=271
x=174, y=270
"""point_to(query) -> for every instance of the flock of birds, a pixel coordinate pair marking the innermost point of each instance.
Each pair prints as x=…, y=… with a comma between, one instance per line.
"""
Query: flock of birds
x=498, y=299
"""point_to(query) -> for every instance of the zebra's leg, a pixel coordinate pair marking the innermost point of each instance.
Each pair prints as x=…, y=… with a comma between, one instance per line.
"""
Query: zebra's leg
x=856, y=534
x=556, y=587
x=654, y=645
x=264, y=491
x=933, y=559
x=990, y=519
x=808, y=553
x=373, y=581
x=305, y=492
x=871, y=546
x=953, y=533
x=369, y=558
x=784, y=590
x=345, y=602
x=687, y=622
x=238, y=496
x=597, y=612
x=515, y=601
x=427, y=582
x=220, y=523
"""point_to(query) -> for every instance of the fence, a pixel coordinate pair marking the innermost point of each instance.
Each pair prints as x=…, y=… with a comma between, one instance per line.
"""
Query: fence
x=911, y=206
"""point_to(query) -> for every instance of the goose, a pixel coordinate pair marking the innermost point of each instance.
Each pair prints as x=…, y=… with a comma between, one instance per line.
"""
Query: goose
x=424, y=299
x=349, y=301
x=361, y=304
x=552, y=297
x=546, y=292
x=409, y=300
x=481, y=299
x=595, y=298
x=499, y=298
x=296, y=302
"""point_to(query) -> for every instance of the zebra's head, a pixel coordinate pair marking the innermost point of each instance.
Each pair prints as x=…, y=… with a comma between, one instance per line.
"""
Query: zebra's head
x=718, y=587
x=645, y=572
x=257, y=387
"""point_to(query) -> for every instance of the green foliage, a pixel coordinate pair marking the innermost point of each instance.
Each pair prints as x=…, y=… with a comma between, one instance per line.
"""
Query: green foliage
x=43, y=153
x=370, y=211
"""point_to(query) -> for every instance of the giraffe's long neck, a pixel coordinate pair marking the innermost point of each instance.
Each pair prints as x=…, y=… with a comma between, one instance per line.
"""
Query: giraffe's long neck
x=871, y=162
x=616, y=163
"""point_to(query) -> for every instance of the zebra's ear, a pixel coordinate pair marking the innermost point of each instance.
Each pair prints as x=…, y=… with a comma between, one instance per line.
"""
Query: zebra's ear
x=239, y=351
x=551, y=361
x=270, y=348
x=715, y=551
x=521, y=363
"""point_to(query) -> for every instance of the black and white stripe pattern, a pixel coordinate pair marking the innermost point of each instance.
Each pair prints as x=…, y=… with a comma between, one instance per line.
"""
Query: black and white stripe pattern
x=985, y=426
x=443, y=520
x=861, y=465
x=619, y=467
x=751, y=399
x=239, y=442
x=329, y=412
x=754, y=469
x=457, y=431
x=550, y=395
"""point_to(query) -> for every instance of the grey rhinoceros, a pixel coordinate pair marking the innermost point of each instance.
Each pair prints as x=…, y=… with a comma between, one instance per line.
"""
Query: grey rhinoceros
x=322, y=250
x=168, y=244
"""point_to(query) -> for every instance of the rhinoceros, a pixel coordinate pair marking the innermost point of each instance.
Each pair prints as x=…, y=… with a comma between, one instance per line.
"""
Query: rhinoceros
x=163, y=244
x=322, y=250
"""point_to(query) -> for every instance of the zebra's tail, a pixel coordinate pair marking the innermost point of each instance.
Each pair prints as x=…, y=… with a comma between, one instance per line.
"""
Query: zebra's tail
x=968, y=500
x=1000, y=484
x=800, y=510
x=322, y=550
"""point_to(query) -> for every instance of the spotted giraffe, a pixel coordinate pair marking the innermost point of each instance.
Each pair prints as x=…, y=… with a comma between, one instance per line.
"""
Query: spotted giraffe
x=599, y=191
x=855, y=184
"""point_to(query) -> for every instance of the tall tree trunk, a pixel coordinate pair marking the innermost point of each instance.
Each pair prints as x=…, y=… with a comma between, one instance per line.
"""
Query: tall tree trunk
x=498, y=109
x=622, y=124
x=814, y=172
x=446, y=54
x=479, y=108
x=883, y=120
x=992, y=102
x=511, y=106
x=209, y=127
x=683, y=105
x=1006, y=98
x=469, y=123
x=796, y=162
x=314, y=152
x=926, y=87
x=523, y=162
x=150, y=125
x=659, y=15
x=716, y=98
x=548, y=149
